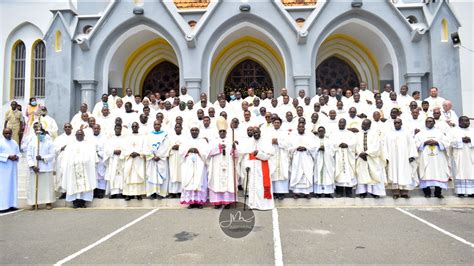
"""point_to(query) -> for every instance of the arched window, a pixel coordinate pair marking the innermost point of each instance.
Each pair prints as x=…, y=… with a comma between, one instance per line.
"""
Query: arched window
x=57, y=41
x=38, y=69
x=444, y=30
x=18, y=69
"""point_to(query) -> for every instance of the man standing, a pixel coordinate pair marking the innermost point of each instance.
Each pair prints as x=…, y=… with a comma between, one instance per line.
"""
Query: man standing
x=60, y=144
x=114, y=159
x=104, y=103
x=302, y=165
x=134, y=165
x=324, y=165
x=14, y=121
x=222, y=181
x=175, y=160
x=78, y=163
x=280, y=161
x=435, y=100
x=193, y=170
x=99, y=140
x=463, y=153
x=433, y=162
x=9, y=156
x=156, y=151
x=256, y=154
x=112, y=99
x=41, y=170
x=184, y=96
x=48, y=123
x=370, y=163
x=401, y=155
x=344, y=146
x=77, y=120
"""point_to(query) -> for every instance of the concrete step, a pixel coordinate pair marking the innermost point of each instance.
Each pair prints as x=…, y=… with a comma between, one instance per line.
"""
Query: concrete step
x=416, y=201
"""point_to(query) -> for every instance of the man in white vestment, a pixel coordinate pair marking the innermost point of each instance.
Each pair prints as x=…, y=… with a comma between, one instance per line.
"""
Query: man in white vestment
x=433, y=168
x=401, y=155
x=258, y=186
x=40, y=158
x=184, y=96
x=280, y=161
x=99, y=140
x=157, y=150
x=114, y=160
x=76, y=120
x=194, y=154
x=134, y=165
x=222, y=178
x=78, y=164
x=104, y=103
x=344, y=144
x=463, y=154
x=370, y=162
x=434, y=99
x=9, y=157
x=60, y=144
x=301, y=149
x=48, y=123
x=324, y=165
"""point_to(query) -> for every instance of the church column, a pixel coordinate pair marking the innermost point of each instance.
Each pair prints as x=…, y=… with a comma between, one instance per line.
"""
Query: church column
x=194, y=87
x=302, y=83
x=413, y=81
x=88, y=88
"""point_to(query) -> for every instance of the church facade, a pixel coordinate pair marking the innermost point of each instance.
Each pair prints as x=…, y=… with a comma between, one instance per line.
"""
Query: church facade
x=86, y=48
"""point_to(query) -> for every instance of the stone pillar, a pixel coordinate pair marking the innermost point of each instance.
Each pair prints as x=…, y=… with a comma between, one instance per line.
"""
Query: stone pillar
x=88, y=88
x=302, y=83
x=413, y=81
x=194, y=87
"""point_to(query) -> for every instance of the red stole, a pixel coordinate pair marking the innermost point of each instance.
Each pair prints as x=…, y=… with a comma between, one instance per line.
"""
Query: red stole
x=266, y=177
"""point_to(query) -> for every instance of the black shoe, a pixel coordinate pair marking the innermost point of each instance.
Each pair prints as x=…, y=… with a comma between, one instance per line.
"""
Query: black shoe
x=63, y=196
x=330, y=196
x=112, y=196
x=199, y=206
x=12, y=209
x=348, y=191
x=281, y=197
x=153, y=196
x=427, y=196
x=127, y=198
x=375, y=196
x=317, y=196
x=307, y=196
x=139, y=198
x=191, y=206
x=461, y=195
x=159, y=197
x=470, y=196
x=296, y=196
x=4, y=211
x=76, y=204
x=363, y=195
x=240, y=188
x=217, y=206
x=405, y=196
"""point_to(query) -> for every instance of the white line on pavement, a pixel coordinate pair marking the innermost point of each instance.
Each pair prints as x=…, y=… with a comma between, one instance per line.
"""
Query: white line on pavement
x=462, y=240
x=105, y=238
x=8, y=213
x=278, y=254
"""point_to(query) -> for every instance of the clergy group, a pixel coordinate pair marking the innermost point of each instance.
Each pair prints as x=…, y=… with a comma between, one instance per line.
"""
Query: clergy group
x=263, y=147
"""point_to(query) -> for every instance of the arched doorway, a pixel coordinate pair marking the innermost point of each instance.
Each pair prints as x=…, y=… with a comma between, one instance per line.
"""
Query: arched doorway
x=162, y=78
x=336, y=73
x=246, y=74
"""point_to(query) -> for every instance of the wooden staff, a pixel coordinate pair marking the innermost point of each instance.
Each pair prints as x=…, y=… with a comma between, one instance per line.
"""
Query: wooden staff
x=234, y=166
x=37, y=163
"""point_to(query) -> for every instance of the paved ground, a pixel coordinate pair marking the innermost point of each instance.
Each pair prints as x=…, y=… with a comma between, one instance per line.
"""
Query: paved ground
x=303, y=235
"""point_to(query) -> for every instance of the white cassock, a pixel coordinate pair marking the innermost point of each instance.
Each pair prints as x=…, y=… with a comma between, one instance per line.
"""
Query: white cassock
x=8, y=172
x=463, y=154
x=114, y=174
x=185, y=98
x=129, y=118
x=99, y=142
x=49, y=124
x=175, y=162
x=302, y=163
x=324, y=166
x=157, y=145
x=59, y=143
x=435, y=102
x=45, y=175
x=209, y=133
x=134, y=168
x=433, y=160
x=97, y=111
x=106, y=125
x=221, y=183
x=194, y=171
x=76, y=121
x=259, y=181
x=371, y=173
x=345, y=157
x=79, y=164
x=280, y=161
x=400, y=147
x=112, y=101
